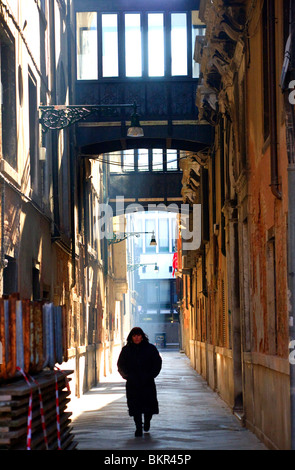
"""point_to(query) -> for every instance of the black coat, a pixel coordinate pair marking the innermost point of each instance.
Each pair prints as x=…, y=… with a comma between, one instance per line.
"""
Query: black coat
x=139, y=364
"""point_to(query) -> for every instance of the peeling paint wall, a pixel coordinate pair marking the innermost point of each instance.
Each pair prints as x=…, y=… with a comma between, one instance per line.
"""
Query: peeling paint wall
x=242, y=265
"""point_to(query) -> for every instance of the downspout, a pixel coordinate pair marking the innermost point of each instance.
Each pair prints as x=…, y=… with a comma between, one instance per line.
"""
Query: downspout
x=52, y=52
x=56, y=234
x=290, y=129
x=291, y=286
x=273, y=101
x=72, y=149
x=72, y=204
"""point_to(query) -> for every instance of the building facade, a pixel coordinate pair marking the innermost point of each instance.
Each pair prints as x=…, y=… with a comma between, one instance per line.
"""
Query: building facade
x=51, y=250
x=235, y=297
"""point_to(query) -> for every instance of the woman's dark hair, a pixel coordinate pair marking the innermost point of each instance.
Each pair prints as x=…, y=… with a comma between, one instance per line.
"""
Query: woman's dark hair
x=137, y=331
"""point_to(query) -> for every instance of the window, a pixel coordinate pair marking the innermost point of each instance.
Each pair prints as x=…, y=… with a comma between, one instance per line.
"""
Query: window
x=152, y=293
x=157, y=160
x=172, y=163
x=143, y=160
x=178, y=44
x=128, y=160
x=143, y=39
x=87, y=59
x=156, y=45
x=33, y=129
x=173, y=234
x=36, y=284
x=266, y=79
x=245, y=272
x=157, y=297
x=163, y=235
x=10, y=276
x=198, y=30
x=138, y=241
x=114, y=160
x=271, y=296
x=140, y=160
x=165, y=294
x=8, y=100
x=90, y=218
x=110, y=56
x=133, y=56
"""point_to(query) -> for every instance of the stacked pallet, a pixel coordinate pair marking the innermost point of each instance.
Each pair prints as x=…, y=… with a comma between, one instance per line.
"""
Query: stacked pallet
x=51, y=432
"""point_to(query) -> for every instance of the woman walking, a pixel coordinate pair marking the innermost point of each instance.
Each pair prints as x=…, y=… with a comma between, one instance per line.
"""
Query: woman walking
x=139, y=363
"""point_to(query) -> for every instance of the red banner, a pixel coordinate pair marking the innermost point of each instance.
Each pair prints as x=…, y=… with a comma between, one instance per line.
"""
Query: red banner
x=175, y=263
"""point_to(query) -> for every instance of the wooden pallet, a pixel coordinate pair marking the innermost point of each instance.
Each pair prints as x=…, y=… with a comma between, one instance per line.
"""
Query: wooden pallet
x=14, y=401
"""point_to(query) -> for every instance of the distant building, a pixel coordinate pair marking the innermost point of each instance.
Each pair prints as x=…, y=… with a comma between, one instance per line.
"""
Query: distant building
x=154, y=306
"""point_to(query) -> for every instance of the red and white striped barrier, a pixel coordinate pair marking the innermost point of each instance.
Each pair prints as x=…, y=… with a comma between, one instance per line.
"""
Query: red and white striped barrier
x=57, y=406
x=41, y=412
x=30, y=411
x=57, y=413
x=27, y=378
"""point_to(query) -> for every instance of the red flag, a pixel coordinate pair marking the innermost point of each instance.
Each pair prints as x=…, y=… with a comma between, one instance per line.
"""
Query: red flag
x=175, y=263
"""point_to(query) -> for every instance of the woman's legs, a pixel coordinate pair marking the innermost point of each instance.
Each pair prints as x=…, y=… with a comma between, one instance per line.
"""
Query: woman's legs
x=147, y=421
x=138, y=423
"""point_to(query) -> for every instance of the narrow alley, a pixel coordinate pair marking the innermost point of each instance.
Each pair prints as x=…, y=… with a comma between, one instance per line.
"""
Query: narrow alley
x=192, y=416
x=147, y=178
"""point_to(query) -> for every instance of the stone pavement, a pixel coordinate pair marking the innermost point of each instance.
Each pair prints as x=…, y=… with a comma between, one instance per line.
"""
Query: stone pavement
x=192, y=416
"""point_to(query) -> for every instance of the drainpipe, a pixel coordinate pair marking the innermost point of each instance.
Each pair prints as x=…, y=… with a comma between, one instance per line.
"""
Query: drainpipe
x=291, y=288
x=56, y=234
x=52, y=52
x=291, y=258
x=273, y=102
x=72, y=203
x=290, y=129
x=72, y=138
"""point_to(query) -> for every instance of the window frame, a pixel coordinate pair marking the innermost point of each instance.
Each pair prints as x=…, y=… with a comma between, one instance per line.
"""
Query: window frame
x=164, y=46
x=118, y=166
x=187, y=45
x=8, y=95
x=98, y=52
x=33, y=132
x=102, y=44
x=141, y=43
x=121, y=39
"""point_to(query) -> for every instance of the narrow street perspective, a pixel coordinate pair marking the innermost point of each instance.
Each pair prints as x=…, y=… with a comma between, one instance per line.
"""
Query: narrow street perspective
x=191, y=416
x=147, y=180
